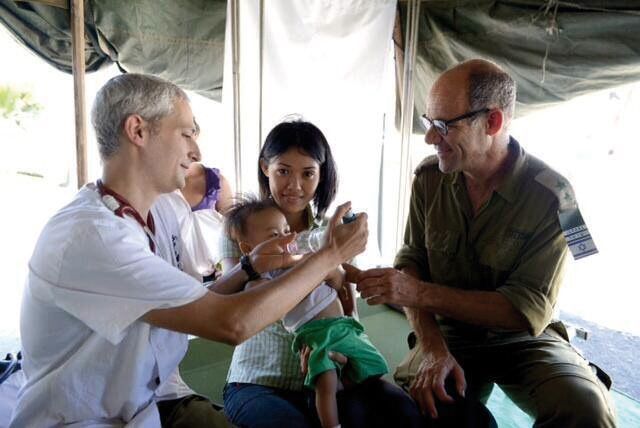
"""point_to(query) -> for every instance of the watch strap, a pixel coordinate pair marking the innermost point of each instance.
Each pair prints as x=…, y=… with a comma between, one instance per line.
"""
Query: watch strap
x=245, y=264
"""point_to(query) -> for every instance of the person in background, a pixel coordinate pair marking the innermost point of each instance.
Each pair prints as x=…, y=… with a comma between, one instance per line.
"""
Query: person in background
x=199, y=206
x=206, y=188
x=482, y=262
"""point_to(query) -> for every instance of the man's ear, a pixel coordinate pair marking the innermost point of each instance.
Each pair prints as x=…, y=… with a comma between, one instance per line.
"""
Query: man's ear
x=135, y=129
x=244, y=247
x=264, y=167
x=495, y=122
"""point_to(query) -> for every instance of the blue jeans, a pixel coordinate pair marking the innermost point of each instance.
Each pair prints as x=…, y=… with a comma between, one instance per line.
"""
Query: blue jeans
x=250, y=405
x=374, y=403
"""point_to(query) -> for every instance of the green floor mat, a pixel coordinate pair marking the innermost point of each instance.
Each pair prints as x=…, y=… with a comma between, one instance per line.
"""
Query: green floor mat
x=510, y=416
x=205, y=368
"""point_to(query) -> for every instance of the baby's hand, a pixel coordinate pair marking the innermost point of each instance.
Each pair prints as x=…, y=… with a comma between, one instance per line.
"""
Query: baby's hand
x=352, y=273
x=335, y=278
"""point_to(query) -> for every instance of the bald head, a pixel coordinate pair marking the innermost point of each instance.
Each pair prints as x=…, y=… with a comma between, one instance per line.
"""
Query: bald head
x=480, y=84
x=475, y=66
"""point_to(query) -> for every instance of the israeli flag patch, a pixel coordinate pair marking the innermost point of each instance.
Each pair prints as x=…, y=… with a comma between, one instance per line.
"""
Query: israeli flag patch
x=576, y=233
x=573, y=226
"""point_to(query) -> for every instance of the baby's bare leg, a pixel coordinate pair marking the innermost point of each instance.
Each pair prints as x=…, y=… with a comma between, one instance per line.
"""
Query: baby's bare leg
x=326, y=404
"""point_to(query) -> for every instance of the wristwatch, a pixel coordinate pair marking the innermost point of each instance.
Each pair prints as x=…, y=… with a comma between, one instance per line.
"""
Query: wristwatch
x=245, y=264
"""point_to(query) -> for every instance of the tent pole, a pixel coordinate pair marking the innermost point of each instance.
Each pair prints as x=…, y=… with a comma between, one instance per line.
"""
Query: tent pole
x=235, y=49
x=78, y=68
x=398, y=44
x=261, y=62
x=406, y=120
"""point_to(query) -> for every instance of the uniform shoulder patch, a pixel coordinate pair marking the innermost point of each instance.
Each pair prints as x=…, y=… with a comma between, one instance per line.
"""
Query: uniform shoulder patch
x=426, y=163
x=559, y=186
x=572, y=224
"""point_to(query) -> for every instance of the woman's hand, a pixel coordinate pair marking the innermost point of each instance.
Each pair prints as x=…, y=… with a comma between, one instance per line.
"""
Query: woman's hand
x=272, y=254
x=346, y=241
x=305, y=352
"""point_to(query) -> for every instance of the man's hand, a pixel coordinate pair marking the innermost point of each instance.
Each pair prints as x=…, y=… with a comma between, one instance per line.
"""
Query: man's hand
x=345, y=241
x=388, y=285
x=272, y=254
x=429, y=383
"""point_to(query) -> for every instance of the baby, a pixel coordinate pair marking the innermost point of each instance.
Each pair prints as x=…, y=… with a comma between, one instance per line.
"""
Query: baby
x=318, y=321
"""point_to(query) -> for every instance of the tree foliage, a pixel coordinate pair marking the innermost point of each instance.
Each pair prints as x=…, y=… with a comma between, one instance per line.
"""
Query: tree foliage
x=17, y=105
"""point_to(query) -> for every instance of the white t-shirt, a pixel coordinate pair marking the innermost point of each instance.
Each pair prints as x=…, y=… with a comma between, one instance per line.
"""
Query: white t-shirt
x=88, y=359
x=200, y=231
x=319, y=298
x=309, y=307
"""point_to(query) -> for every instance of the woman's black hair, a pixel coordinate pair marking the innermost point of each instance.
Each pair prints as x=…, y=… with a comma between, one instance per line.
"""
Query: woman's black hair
x=307, y=138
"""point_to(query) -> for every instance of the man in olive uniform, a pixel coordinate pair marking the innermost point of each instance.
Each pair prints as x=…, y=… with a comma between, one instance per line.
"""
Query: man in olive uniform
x=482, y=262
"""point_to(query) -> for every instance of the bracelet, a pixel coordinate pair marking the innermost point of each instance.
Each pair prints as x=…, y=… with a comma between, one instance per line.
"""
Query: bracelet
x=245, y=264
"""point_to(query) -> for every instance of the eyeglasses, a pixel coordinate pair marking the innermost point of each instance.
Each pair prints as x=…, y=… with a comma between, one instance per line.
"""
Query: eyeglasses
x=442, y=126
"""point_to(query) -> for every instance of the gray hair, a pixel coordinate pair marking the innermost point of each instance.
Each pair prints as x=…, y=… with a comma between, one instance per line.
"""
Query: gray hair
x=150, y=97
x=492, y=88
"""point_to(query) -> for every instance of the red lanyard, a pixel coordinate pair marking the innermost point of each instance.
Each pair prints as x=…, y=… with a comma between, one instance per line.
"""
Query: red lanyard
x=122, y=208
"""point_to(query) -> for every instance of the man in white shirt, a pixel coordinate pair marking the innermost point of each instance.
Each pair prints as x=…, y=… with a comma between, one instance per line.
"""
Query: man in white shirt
x=105, y=308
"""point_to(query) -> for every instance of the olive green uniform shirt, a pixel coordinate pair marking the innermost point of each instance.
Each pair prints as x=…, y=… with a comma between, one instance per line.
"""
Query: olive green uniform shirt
x=514, y=245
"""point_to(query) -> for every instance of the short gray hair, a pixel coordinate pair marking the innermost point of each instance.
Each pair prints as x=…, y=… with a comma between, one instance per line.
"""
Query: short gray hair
x=150, y=97
x=489, y=87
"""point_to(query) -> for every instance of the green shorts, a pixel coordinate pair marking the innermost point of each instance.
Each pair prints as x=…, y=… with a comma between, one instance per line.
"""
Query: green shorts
x=346, y=336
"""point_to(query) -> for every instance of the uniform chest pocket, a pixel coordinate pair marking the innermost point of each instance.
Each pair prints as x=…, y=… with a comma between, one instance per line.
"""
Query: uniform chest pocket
x=503, y=251
x=444, y=242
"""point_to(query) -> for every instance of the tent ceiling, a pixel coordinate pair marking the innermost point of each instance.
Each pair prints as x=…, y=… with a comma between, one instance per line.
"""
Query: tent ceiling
x=555, y=49
x=179, y=41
